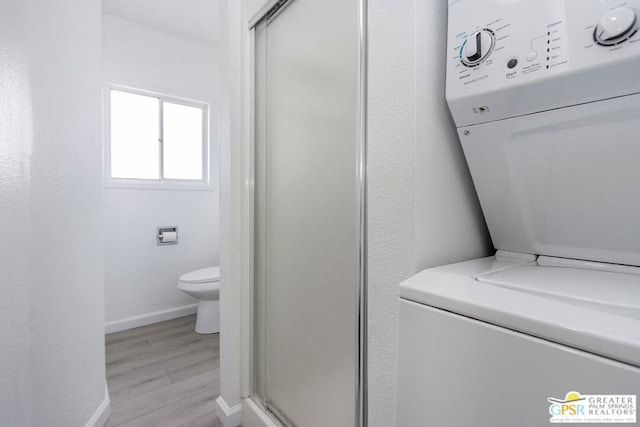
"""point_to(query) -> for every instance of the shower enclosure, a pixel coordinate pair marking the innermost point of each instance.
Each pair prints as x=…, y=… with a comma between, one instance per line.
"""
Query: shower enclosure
x=309, y=331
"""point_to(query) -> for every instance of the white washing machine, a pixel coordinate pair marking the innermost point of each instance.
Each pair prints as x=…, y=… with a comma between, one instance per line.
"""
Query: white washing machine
x=546, y=98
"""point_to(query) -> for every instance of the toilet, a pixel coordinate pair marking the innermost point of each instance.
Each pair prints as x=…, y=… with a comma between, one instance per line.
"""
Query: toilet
x=204, y=284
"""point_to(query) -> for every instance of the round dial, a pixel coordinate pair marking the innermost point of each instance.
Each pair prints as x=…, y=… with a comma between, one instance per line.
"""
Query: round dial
x=616, y=26
x=477, y=47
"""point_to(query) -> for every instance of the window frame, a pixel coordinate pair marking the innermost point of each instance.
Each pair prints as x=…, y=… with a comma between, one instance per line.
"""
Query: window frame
x=162, y=183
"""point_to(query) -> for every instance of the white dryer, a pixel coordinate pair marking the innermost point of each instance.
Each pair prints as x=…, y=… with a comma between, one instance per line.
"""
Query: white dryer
x=546, y=98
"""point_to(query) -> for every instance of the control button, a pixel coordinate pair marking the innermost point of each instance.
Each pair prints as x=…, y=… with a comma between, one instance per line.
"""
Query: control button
x=616, y=26
x=477, y=47
x=532, y=55
x=512, y=63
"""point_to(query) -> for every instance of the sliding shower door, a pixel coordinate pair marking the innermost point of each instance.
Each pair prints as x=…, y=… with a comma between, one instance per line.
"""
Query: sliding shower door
x=309, y=193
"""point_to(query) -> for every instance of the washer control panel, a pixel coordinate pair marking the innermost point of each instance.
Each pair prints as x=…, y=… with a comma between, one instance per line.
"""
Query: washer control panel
x=544, y=45
x=616, y=26
x=477, y=47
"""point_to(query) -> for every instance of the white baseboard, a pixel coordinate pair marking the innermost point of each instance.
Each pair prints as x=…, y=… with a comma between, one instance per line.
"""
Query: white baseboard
x=149, y=318
x=229, y=417
x=99, y=417
x=254, y=416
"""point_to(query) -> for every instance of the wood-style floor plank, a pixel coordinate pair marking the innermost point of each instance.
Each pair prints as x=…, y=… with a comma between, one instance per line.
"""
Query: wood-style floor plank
x=207, y=420
x=138, y=384
x=163, y=375
x=184, y=371
x=177, y=413
x=149, y=330
x=152, y=401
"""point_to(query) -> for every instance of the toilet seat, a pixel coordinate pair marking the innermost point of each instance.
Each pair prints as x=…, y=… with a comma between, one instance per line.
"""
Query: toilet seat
x=204, y=275
x=203, y=284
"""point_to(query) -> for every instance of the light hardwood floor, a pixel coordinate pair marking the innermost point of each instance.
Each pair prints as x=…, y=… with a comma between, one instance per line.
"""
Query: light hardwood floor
x=163, y=375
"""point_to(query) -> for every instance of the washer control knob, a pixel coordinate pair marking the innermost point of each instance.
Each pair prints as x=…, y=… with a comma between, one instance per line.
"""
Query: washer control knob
x=616, y=26
x=477, y=47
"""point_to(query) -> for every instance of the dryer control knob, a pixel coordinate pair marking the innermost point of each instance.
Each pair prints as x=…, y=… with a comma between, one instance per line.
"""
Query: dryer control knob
x=477, y=47
x=616, y=26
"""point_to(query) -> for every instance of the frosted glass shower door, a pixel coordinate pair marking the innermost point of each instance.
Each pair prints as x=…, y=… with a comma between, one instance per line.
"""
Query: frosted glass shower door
x=308, y=207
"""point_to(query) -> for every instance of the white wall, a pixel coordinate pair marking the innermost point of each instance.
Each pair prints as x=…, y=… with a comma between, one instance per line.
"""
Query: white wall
x=141, y=277
x=422, y=208
x=15, y=148
x=449, y=226
x=235, y=204
x=52, y=359
x=233, y=332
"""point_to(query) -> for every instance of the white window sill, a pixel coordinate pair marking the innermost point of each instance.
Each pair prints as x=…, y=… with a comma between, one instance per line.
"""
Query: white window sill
x=142, y=184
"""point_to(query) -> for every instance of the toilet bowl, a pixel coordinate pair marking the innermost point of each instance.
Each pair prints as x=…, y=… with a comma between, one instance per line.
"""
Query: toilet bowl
x=204, y=284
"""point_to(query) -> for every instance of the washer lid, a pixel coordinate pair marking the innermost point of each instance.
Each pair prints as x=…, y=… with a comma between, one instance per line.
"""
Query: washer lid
x=612, y=292
x=204, y=275
x=562, y=183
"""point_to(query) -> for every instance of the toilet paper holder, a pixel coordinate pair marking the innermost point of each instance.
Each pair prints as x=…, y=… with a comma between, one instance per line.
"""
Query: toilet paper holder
x=167, y=236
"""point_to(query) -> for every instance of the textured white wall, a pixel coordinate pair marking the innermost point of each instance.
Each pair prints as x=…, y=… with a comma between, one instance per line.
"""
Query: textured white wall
x=449, y=224
x=66, y=265
x=232, y=137
x=422, y=208
x=15, y=149
x=235, y=329
x=141, y=277
x=51, y=202
x=391, y=143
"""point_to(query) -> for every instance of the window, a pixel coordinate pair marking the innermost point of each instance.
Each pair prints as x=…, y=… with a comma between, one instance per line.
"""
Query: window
x=156, y=139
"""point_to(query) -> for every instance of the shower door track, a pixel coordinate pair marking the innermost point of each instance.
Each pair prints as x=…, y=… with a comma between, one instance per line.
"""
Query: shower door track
x=270, y=407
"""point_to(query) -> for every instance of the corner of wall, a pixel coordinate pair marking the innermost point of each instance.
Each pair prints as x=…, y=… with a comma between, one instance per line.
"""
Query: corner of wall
x=232, y=136
x=99, y=418
x=228, y=416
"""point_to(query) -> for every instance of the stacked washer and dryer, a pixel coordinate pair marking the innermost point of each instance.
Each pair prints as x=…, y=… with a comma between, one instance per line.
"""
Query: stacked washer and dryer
x=546, y=98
